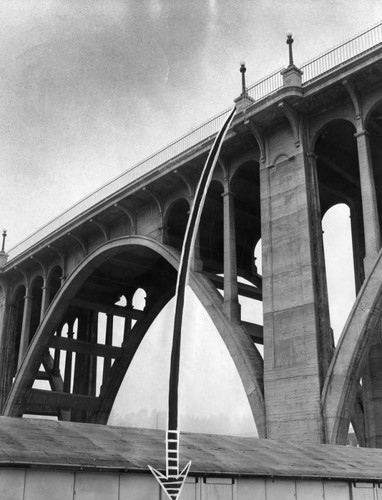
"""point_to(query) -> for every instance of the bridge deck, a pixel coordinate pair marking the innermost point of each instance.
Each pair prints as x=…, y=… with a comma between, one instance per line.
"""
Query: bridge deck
x=67, y=445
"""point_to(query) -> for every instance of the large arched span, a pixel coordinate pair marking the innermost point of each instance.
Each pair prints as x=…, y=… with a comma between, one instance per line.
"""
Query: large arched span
x=342, y=380
x=247, y=359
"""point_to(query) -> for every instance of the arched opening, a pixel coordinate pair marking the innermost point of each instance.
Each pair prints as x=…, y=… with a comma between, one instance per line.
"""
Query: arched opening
x=177, y=219
x=245, y=185
x=211, y=230
x=339, y=182
x=339, y=263
x=36, y=293
x=16, y=321
x=54, y=282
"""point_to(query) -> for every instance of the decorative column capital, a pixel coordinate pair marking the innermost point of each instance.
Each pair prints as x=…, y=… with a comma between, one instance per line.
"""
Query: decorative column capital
x=228, y=193
x=311, y=155
x=361, y=133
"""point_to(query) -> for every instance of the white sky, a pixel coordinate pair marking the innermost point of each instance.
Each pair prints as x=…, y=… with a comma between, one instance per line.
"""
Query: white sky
x=89, y=87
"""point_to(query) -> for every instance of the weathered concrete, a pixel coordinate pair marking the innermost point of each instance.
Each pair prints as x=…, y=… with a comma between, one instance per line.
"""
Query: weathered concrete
x=292, y=360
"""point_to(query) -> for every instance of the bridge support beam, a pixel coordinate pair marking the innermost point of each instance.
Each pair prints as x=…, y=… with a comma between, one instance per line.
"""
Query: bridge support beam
x=25, y=328
x=372, y=393
x=7, y=345
x=369, y=201
x=231, y=306
x=295, y=295
x=86, y=365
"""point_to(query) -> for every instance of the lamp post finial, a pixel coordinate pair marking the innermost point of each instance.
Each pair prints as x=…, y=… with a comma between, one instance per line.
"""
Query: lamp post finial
x=4, y=236
x=289, y=41
x=243, y=69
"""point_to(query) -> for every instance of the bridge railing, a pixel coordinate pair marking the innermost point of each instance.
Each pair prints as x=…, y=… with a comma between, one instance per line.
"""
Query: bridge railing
x=342, y=53
x=260, y=90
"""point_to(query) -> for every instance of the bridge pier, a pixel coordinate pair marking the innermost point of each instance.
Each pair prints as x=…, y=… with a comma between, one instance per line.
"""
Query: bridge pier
x=369, y=201
x=293, y=298
x=231, y=306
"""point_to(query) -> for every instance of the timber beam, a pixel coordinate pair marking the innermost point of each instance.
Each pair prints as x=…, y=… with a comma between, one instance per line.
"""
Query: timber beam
x=42, y=402
x=123, y=312
x=255, y=331
x=248, y=291
x=82, y=347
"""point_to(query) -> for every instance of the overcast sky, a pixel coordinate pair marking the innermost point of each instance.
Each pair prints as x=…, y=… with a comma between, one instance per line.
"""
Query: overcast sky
x=88, y=88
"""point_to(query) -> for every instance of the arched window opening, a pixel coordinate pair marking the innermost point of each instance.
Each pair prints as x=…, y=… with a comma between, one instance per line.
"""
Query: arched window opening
x=122, y=301
x=245, y=189
x=339, y=264
x=176, y=223
x=139, y=299
x=138, y=302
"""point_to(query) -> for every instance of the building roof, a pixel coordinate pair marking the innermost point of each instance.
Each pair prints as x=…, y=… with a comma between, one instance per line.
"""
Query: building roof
x=63, y=445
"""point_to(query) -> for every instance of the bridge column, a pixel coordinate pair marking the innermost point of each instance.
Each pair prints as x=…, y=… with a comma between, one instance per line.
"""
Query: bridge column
x=293, y=289
x=372, y=393
x=7, y=344
x=44, y=299
x=68, y=362
x=85, y=372
x=231, y=306
x=108, y=342
x=369, y=200
x=25, y=328
x=128, y=321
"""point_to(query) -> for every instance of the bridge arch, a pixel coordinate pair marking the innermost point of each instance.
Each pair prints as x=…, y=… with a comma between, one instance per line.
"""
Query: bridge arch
x=176, y=218
x=348, y=362
x=245, y=355
x=326, y=120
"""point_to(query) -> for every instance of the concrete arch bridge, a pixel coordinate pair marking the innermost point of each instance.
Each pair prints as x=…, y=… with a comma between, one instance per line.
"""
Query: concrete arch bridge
x=300, y=144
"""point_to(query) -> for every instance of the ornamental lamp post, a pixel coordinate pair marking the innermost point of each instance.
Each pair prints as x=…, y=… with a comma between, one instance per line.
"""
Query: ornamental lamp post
x=3, y=244
x=243, y=69
x=289, y=41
